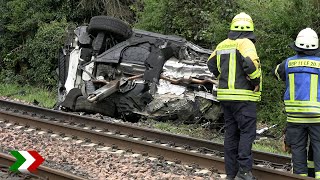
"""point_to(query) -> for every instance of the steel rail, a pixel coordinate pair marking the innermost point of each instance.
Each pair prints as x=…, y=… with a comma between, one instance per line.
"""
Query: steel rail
x=152, y=149
x=169, y=153
x=141, y=132
x=42, y=171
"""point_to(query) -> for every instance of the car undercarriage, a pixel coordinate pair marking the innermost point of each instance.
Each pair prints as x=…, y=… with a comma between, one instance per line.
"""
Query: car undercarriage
x=111, y=69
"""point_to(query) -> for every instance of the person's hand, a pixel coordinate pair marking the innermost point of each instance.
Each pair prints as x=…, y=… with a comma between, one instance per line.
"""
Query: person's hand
x=256, y=88
x=286, y=147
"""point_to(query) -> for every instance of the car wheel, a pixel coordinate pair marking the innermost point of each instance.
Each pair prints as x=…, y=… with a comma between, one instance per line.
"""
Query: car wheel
x=105, y=107
x=62, y=67
x=109, y=24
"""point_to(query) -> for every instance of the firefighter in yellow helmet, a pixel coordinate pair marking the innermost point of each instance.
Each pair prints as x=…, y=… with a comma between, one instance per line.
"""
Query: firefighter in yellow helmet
x=236, y=65
x=302, y=102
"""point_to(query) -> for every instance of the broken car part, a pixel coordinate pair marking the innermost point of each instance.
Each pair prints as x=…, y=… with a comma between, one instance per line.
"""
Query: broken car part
x=109, y=68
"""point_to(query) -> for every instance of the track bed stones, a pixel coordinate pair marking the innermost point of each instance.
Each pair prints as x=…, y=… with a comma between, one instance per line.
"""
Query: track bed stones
x=93, y=161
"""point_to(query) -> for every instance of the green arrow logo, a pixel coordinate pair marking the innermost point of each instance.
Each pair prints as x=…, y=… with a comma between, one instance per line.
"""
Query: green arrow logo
x=19, y=162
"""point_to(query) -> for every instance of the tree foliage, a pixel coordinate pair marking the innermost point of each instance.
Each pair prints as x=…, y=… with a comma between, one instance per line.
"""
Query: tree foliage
x=21, y=22
x=194, y=20
x=33, y=31
x=117, y=8
x=42, y=50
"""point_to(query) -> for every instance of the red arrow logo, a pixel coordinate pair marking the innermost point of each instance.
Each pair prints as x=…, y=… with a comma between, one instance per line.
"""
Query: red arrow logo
x=38, y=160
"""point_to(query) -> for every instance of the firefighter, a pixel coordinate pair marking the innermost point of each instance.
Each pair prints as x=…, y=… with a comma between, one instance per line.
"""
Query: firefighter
x=302, y=101
x=236, y=65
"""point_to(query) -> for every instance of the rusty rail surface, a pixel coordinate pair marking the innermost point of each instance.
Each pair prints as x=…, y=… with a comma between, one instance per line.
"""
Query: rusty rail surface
x=42, y=171
x=124, y=142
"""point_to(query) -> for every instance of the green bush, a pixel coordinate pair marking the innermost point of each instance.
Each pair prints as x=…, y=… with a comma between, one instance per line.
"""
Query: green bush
x=41, y=53
x=35, y=63
x=20, y=21
x=31, y=33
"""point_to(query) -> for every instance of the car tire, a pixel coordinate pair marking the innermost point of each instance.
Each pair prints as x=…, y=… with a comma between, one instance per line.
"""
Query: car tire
x=62, y=67
x=109, y=24
x=105, y=107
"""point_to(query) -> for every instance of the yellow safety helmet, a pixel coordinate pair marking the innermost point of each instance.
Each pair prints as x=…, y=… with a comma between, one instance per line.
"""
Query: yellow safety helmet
x=242, y=22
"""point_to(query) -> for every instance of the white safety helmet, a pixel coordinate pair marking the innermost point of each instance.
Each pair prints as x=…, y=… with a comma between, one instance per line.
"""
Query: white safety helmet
x=307, y=39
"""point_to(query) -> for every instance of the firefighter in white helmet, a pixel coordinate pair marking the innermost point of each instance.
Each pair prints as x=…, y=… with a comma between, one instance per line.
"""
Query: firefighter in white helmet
x=236, y=64
x=302, y=100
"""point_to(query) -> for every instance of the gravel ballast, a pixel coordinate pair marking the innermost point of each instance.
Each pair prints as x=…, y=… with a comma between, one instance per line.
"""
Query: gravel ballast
x=91, y=163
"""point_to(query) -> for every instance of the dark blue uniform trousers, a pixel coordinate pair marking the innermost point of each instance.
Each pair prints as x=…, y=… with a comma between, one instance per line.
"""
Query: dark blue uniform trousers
x=240, y=132
x=311, y=172
x=297, y=137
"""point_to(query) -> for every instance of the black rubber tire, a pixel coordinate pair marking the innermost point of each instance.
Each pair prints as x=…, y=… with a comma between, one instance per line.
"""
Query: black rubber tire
x=62, y=67
x=105, y=107
x=111, y=25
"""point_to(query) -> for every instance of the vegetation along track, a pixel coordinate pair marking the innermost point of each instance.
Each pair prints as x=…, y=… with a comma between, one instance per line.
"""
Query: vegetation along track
x=43, y=172
x=172, y=147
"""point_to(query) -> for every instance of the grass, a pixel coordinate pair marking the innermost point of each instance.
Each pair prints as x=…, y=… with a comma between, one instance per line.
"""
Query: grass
x=269, y=145
x=197, y=131
x=47, y=99
x=193, y=130
x=43, y=96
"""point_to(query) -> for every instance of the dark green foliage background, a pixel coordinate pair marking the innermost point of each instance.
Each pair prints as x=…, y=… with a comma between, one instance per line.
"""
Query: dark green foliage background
x=31, y=33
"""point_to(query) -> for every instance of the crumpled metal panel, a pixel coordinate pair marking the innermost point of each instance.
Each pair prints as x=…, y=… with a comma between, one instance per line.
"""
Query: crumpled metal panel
x=165, y=87
x=176, y=69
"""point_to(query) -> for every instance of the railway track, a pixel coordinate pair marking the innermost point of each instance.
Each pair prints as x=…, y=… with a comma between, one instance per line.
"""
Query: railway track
x=43, y=172
x=171, y=147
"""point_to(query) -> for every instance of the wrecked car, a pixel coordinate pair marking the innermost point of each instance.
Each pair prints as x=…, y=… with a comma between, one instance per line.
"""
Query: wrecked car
x=109, y=68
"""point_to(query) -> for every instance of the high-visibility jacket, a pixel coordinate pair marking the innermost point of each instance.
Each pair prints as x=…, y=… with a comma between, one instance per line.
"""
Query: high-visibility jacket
x=236, y=65
x=302, y=95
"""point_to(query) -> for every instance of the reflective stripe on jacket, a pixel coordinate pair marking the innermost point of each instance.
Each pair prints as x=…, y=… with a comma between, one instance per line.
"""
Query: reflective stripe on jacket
x=237, y=66
x=317, y=175
x=302, y=95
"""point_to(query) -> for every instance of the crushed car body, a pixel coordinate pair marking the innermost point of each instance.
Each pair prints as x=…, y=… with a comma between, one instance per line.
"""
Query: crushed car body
x=111, y=69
